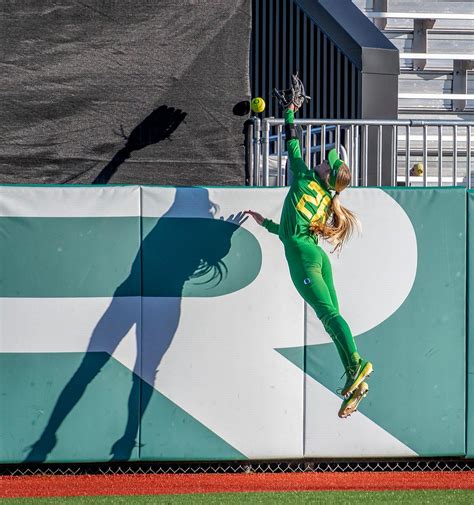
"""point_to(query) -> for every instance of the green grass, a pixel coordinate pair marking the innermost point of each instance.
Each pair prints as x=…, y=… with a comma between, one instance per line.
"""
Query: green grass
x=458, y=497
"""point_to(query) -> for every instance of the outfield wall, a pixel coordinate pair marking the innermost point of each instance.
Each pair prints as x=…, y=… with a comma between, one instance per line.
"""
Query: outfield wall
x=470, y=327
x=154, y=323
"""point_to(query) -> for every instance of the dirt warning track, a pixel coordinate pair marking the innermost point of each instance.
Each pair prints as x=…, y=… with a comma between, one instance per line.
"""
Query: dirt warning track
x=87, y=485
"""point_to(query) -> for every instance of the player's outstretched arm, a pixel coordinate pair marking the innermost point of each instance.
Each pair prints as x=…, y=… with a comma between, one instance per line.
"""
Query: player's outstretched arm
x=290, y=100
x=271, y=226
x=297, y=164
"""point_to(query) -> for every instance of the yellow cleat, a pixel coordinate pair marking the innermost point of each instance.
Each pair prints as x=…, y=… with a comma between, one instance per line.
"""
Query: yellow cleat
x=355, y=376
x=349, y=405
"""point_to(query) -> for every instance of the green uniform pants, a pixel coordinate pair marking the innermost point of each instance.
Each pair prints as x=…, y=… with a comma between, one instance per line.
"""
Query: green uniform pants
x=311, y=273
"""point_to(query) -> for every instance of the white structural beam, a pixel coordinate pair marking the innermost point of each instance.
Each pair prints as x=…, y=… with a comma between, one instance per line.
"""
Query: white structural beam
x=419, y=15
x=436, y=96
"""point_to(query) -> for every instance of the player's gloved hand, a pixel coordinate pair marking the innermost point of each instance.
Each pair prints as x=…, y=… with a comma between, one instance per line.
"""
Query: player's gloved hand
x=298, y=91
x=295, y=96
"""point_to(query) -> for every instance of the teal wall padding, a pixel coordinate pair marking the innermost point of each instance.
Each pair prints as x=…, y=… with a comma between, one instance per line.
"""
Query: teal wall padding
x=99, y=407
x=193, y=257
x=104, y=421
x=470, y=328
x=69, y=257
x=168, y=433
x=98, y=257
x=418, y=388
x=53, y=408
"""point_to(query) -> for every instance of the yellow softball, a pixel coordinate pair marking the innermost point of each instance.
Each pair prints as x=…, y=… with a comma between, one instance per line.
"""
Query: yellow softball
x=417, y=169
x=257, y=104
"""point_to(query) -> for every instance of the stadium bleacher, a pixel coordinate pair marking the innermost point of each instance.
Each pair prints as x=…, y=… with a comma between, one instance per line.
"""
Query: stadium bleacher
x=436, y=44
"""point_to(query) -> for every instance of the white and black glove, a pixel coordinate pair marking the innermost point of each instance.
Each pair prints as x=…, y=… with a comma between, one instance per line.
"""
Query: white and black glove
x=295, y=95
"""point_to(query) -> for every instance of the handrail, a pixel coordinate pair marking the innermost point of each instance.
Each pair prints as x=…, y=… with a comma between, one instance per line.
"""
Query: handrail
x=373, y=122
x=436, y=96
x=437, y=56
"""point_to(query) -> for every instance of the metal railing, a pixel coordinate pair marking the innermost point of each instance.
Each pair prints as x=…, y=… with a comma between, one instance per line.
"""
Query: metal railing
x=419, y=153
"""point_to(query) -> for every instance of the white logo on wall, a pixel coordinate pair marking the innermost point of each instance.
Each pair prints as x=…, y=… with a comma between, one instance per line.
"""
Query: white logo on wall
x=375, y=272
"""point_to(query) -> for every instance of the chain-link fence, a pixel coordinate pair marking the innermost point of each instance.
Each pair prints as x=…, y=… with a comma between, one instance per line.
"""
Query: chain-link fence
x=140, y=468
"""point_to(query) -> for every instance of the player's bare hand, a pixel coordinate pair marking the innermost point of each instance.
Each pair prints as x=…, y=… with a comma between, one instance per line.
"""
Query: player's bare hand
x=258, y=217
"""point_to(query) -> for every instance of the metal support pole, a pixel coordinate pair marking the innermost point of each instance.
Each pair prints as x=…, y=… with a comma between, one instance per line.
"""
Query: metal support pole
x=365, y=143
x=308, y=146
x=257, y=130
x=460, y=69
x=379, y=156
x=323, y=143
x=420, y=40
x=393, y=181
x=380, y=6
x=248, y=147
x=265, y=152
x=280, y=177
x=357, y=154
x=352, y=152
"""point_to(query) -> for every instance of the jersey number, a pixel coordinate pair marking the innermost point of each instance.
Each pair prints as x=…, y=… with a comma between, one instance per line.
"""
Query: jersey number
x=316, y=201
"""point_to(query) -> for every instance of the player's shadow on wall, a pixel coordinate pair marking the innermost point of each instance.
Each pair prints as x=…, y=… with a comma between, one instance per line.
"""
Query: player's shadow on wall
x=174, y=251
x=157, y=126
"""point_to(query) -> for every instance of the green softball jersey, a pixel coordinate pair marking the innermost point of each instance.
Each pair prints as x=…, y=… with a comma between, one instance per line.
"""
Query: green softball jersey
x=308, y=199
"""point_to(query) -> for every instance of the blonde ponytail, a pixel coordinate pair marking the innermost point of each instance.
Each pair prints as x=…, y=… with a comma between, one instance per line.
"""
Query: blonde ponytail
x=341, y=222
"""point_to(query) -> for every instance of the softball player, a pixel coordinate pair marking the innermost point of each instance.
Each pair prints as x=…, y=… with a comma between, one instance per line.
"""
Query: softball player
x=311, y=210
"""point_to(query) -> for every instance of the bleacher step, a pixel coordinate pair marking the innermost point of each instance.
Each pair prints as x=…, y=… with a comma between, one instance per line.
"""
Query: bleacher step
x=446, y=37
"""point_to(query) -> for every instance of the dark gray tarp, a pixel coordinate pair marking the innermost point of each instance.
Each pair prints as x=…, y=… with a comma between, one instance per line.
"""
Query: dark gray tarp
x=123, y=91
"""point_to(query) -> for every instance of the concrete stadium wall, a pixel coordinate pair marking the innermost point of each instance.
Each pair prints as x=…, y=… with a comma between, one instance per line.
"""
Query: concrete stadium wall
x=157, y=323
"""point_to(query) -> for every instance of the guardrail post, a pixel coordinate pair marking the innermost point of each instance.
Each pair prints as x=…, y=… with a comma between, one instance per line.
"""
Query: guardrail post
x=265, y=152
x=256, y=150
x=249, y=156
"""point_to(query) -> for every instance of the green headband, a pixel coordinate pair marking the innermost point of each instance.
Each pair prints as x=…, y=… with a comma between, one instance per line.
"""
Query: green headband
x=335, y=164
